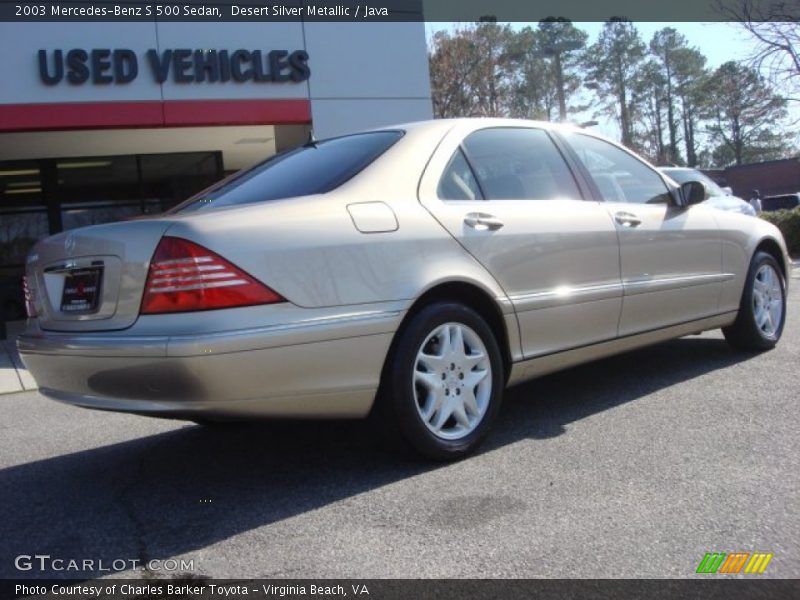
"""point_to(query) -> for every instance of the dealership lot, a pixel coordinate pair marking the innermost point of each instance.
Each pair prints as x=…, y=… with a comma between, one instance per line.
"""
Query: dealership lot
x=634, y=466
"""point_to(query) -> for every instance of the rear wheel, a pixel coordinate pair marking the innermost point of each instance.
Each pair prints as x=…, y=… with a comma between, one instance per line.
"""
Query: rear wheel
x=762, y=311
x=443, y=385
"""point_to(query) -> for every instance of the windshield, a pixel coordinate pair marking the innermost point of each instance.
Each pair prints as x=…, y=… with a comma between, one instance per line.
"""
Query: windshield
x=315, y=168
x=684, y=175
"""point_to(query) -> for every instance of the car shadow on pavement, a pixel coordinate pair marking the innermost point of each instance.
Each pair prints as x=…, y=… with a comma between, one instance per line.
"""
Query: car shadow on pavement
x=177, y=492
x=541, y=408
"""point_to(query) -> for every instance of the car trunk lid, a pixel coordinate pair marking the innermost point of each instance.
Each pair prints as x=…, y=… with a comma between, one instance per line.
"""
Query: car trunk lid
x=92, y=279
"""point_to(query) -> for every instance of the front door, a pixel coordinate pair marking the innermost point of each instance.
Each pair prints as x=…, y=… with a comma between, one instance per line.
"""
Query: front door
x=671, y=256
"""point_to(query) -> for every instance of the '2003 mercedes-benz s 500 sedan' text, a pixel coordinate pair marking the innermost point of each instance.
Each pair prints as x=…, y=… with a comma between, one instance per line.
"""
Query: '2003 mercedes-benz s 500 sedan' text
x=410, y=272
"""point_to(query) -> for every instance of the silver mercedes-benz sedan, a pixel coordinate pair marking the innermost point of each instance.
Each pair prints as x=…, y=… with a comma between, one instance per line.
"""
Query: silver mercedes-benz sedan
x=410, y=272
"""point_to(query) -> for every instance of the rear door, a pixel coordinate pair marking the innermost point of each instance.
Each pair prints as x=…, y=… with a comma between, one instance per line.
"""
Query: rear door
x=508, y=196
x=671, y=256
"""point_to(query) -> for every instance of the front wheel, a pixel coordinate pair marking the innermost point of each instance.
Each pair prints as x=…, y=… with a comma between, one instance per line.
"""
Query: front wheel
x=443, y=383
x=762, y=311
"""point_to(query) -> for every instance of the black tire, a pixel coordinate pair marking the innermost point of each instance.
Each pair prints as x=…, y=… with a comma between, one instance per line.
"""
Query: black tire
x=397, y=405
x=745, y=333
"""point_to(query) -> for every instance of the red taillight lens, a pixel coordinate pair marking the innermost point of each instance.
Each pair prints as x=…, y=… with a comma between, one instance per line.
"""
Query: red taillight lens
x=184, y=277
x=30, y=300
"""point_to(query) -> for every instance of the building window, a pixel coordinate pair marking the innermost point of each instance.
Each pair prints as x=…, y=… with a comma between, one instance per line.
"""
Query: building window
x=43, y=197
x=23, y=211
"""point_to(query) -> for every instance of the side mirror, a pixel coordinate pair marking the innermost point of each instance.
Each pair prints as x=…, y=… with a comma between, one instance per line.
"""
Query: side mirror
x=728, y=190
x=693, y=192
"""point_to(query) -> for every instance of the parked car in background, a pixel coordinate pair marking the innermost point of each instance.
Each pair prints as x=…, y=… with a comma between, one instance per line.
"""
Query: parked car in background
x=781, y=202
x=716, y=196
x=411, y=272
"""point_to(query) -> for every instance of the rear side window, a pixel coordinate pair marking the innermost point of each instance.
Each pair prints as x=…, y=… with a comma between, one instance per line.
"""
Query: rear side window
x=316, y=168
x=458, y=181
x=516, y=163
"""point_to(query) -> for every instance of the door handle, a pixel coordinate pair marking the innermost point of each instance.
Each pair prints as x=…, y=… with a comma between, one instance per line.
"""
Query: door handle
x=627, y=219
x=482, y=221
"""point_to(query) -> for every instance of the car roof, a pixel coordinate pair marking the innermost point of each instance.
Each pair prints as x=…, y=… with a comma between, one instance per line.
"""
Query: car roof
x=437, y=124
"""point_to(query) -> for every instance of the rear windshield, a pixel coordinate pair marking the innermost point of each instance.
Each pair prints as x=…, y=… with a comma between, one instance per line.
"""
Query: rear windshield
x=314, y=168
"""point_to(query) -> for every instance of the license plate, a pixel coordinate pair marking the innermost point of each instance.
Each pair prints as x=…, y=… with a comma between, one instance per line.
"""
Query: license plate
x=81, y=290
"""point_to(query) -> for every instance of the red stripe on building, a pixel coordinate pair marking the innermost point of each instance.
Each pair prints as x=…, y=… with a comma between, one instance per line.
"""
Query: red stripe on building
x=236, y=112
x=169, y=113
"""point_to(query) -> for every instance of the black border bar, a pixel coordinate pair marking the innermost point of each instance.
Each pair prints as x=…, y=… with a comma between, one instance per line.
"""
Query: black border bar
x=393, y=10
x=710, y=588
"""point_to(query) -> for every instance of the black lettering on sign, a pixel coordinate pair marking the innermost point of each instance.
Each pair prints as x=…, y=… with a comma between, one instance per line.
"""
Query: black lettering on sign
x=76, y=61
x=277, y=64
x=58, y=72
x=104, y=66
x=159, y=64
x=206, y=62
x=237, y=58
x=260, y=73
x=224, y=66
x=126, y=67
x=299, y=63
x=181, y=65
x=101, y=64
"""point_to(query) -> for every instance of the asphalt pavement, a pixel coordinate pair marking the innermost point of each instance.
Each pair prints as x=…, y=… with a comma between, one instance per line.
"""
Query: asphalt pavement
x=630, y=467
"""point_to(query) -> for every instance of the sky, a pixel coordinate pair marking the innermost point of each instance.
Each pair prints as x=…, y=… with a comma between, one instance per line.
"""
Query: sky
x=719, y=42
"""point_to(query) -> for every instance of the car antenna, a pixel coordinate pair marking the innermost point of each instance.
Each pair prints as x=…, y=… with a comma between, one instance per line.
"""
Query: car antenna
x=312, y=141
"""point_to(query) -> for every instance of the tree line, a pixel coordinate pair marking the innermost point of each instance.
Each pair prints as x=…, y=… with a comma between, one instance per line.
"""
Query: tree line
x=668, y=104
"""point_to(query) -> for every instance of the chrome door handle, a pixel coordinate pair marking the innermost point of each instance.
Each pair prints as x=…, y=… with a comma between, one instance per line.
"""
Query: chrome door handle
x=627, y=219
x=482, y=221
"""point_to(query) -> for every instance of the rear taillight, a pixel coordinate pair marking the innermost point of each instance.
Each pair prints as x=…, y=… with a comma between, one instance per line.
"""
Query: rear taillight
x=184, y=277
x=30, y=300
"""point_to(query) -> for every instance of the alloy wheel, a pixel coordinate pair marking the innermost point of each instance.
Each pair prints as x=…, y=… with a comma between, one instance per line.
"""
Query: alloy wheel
x=767, y=300
x=452, y=381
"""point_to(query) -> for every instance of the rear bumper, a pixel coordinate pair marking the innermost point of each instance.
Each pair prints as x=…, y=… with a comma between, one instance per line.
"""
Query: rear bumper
x=315, y=368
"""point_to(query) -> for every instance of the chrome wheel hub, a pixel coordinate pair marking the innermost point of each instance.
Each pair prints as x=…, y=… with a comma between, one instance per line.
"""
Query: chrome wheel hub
x=452, y=381
x=768, y=301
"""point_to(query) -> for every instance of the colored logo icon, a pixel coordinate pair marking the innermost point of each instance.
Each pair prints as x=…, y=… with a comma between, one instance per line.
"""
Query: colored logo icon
x=734, y=562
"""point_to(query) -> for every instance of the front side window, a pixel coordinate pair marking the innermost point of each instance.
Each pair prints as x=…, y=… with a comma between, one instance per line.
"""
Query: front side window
x=516, y=163
x=619, y=176
x=315, y=168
